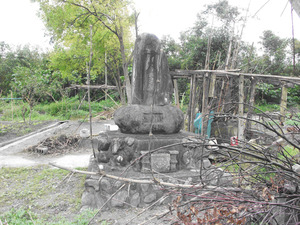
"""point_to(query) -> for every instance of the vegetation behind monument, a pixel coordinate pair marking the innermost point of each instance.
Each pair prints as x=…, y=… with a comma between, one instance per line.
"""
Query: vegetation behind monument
x=46, y=77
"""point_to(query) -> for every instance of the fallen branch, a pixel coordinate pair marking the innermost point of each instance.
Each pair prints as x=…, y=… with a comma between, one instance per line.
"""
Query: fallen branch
x=154, y=181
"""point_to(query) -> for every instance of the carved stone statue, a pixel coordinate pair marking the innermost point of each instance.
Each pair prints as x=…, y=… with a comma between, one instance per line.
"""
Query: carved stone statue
x=152, y=91
x=151, y=84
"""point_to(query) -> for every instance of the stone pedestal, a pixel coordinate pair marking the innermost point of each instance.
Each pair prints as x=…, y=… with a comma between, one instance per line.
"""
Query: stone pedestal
x=140, y=119
x=169, y=152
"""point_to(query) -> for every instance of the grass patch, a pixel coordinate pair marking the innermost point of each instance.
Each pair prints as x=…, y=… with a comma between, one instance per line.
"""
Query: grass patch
x=288, y=152
x=27, y=217
x=49, y=196
x=267, y=108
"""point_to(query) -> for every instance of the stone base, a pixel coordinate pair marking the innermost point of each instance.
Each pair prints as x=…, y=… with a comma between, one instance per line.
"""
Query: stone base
x=140, y=119
x=177, y=159
x=172, y=153
x=99, y=189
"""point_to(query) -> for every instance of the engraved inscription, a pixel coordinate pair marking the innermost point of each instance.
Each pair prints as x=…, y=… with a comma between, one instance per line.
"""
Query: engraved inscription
x=155, y=117
x=160, y=162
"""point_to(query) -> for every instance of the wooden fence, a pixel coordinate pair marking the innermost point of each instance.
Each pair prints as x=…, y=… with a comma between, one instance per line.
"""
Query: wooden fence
x=203, y=91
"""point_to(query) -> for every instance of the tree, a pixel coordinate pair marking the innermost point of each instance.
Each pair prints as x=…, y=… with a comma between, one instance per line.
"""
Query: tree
x=275, y=52
x=10, y=59
x=7, y=59
x=67, y=19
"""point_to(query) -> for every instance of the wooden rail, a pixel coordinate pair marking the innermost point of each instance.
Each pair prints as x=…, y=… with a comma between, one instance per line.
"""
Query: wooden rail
x=94, y=86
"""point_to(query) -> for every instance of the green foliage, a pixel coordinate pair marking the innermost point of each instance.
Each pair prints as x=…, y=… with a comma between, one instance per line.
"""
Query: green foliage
x=15, y=59
x=268, y=93
x=69, y=23
x=67, y=108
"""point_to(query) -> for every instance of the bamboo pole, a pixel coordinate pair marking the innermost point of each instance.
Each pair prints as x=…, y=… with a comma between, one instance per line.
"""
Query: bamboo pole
x=105, y=74
x=88, y=84
x=12, y=106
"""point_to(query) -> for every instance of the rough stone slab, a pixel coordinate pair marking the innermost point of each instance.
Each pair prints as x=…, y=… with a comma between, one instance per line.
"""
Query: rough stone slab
x=150, y=198
x=92, y=183
x=135, y=200
x=106, y=185
x=88, y=199
x=119, y=199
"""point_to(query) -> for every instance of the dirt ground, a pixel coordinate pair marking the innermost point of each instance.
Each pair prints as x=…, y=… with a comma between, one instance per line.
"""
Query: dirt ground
x=28, y=183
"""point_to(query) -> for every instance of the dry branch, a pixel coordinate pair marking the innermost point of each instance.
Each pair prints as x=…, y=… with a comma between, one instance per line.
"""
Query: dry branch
x=154, y=181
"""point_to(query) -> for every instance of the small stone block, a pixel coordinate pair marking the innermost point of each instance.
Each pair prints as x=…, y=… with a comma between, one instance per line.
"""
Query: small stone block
x=161, y=162
x=296, y=168
x=206, y=163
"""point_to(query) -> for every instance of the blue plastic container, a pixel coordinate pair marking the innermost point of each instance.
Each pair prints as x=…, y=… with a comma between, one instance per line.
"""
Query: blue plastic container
x=198, y=123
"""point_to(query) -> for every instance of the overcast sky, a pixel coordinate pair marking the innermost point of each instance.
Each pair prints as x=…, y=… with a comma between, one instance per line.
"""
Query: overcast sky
x=20, y=24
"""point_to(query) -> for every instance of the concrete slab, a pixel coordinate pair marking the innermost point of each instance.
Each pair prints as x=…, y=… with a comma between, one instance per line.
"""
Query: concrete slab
x=73, y=161
x=16, y=161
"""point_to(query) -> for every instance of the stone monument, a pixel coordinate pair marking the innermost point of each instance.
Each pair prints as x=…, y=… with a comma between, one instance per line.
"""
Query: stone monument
x=152, y=89
x=150, y=138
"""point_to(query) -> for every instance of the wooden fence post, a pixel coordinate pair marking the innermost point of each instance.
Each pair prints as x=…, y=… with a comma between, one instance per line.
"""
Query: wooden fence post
x=250, y=107
x=212, y=86
x=192, y=103
x=176, y=93
x=241, y=121
x=283, y=102
x=205, y=110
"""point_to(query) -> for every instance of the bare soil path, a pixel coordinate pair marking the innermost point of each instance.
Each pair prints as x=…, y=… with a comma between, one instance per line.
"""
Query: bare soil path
x=15, y=147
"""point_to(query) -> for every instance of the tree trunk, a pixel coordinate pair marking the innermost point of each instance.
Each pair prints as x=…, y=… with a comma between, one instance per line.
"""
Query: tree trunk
x=125, y=67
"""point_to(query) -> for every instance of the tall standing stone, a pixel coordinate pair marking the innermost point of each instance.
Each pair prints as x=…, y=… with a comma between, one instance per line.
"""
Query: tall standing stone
x=151, y=82
x=152, y=91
